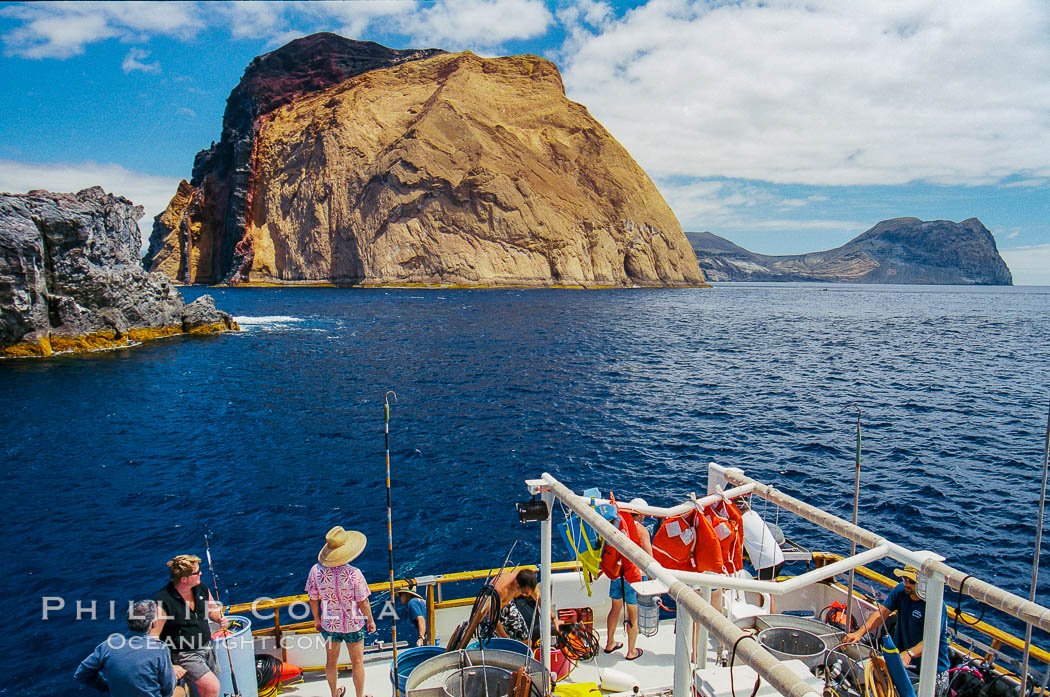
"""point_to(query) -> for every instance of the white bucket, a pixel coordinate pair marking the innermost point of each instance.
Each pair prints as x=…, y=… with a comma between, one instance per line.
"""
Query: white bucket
x=241, y=655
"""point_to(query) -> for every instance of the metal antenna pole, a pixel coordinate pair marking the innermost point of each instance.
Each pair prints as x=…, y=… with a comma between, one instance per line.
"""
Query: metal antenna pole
x=853, y=545
x=1035, y=561
x=389, y=517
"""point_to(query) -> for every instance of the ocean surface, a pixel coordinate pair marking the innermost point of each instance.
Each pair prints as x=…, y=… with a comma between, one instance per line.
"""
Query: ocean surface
x=116, y=461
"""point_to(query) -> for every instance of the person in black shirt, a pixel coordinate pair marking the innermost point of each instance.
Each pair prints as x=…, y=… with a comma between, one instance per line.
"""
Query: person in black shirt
x=187, y=604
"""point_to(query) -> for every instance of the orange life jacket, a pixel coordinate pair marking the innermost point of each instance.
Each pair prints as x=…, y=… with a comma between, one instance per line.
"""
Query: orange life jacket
x=728, y=524
x=614, y=565
x=687, y=542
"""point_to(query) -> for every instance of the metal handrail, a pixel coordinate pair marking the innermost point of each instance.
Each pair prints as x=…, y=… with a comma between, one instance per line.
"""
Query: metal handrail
x=971, y=622
x=752, y=653
x=927, y=563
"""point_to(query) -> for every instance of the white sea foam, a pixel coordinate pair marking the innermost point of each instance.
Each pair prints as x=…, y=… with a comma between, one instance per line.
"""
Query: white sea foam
x=267, y=322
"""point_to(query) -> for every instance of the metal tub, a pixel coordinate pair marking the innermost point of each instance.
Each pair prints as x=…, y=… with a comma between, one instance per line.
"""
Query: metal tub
x=429, y=679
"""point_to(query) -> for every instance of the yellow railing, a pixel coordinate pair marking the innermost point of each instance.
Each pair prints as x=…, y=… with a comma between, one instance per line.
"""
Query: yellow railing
x=998, y=637
x=280, y=628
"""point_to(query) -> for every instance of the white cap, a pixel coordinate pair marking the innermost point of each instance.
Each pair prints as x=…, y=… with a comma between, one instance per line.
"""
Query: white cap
x=638, y=502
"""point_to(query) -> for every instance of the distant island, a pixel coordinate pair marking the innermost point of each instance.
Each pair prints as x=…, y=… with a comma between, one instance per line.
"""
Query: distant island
x=900, y=250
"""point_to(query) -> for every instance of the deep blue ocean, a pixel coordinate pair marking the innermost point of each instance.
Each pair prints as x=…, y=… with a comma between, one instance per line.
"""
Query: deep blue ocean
x=117, y=461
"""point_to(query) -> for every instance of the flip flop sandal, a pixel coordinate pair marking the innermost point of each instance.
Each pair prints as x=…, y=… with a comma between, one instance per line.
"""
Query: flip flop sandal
x=617, y=647
x=631, y=658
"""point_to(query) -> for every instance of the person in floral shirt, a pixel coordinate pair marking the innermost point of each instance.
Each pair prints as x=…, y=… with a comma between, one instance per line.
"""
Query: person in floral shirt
x=339, y=601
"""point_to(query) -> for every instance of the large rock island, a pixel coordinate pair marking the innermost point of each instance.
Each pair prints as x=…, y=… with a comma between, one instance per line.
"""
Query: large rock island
x=901, y=250
x=345, y=162
x=71, y=278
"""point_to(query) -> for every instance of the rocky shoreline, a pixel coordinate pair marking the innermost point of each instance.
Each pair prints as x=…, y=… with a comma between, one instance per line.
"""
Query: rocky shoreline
x=71, y=279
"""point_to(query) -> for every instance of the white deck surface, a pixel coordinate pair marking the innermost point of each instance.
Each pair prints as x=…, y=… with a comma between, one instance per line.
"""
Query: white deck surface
x=653, y=669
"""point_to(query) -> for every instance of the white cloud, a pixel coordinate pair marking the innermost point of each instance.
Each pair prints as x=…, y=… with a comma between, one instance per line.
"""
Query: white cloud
x=717, y=204
x=252, y=20
x=1029, y=265
x=592, y=13
x=822, y=92
x=355, y=19
x=151, y=192
x=63, y=29
x=133, y=61
x=476, y=23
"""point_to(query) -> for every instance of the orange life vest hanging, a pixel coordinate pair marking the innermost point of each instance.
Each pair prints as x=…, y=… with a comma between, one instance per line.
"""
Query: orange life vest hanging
x=614, y=564
x=728, y=524
x=687, y=542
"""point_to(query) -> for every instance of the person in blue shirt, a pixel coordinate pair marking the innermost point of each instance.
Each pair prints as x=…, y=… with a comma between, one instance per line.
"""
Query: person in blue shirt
x=417, y=612
x=136, y=664
x=907, y=632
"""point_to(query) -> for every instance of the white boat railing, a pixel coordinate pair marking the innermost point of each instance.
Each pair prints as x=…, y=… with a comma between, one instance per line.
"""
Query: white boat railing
x=681, y=585
x=695, y=608
x=930, y=565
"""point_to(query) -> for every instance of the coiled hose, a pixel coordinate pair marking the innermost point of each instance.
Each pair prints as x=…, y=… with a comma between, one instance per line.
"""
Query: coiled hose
x=486, y=628
x=267, y=674
x=577, y=642
x=877, y=678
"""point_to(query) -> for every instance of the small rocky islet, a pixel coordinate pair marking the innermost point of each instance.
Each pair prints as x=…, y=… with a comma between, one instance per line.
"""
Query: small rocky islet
x=349, y=163
x=71, y=278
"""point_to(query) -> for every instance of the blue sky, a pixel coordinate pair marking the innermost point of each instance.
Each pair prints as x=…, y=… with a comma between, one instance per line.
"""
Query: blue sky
x=786, y=126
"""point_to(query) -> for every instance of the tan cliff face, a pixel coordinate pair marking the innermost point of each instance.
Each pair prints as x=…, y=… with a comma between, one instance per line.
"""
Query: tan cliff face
x=449, y=170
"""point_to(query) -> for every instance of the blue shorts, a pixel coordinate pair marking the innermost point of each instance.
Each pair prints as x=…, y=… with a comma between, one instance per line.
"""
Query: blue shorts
x=345, y=637
x=620, y=588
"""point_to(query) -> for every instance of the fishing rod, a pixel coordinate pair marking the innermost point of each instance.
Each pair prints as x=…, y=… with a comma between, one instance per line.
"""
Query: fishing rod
x=1035, y=561
x=226, y=639
x=389, y=517
x=853, y=545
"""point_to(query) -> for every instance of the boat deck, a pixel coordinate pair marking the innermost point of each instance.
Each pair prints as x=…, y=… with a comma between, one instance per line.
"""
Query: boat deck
x=653, y=670
x=786, y=618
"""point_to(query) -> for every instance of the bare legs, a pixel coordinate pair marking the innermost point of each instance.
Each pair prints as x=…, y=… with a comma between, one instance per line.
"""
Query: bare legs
x=331, y=666
x=632, y=627
x=632, y=631
x=611, y=622
x=208, y=685
x=357, y=663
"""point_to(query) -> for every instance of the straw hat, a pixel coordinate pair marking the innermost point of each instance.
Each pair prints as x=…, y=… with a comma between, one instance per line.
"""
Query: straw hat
x=342, y=546
x=399, y=591
x=907, y=572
